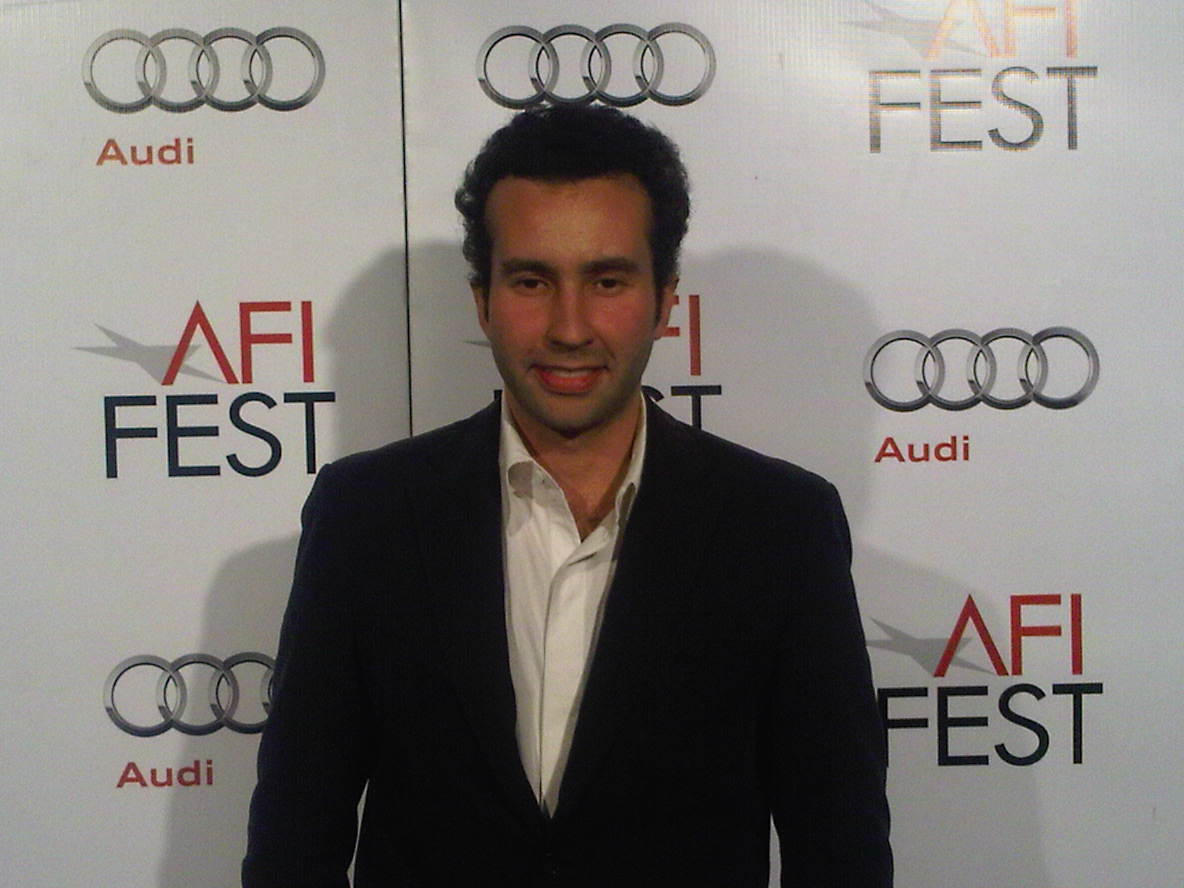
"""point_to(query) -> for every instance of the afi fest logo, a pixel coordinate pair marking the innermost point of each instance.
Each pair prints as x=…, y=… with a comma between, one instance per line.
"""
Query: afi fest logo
x=960, y=716
x=265, y=427
x=995, y=73
x=691, y=333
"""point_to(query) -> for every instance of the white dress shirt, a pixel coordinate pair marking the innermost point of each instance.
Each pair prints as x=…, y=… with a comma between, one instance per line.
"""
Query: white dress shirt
x=556, y=586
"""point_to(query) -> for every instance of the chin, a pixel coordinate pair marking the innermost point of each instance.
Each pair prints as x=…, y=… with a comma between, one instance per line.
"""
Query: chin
x=568, y=426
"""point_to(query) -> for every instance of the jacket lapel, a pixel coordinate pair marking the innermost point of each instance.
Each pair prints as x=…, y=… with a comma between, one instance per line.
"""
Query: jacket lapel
x=664, y=538
x=459, y=507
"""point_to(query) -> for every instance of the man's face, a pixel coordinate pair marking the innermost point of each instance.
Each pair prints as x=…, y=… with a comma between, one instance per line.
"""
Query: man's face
x=572, y=310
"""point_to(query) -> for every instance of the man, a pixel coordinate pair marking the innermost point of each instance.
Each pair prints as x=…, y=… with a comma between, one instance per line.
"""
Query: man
x=569, y=640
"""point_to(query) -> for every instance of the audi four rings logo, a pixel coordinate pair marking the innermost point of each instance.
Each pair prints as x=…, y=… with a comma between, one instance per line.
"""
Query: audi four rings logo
x=981, y=355
x=222, y=712
x=595, y=51
x=152, y=85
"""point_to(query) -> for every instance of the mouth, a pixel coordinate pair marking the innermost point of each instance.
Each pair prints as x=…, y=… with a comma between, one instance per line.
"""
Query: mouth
x=567, y=380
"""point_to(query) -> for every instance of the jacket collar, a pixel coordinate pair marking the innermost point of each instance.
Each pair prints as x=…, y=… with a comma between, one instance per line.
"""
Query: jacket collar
x=459, y=507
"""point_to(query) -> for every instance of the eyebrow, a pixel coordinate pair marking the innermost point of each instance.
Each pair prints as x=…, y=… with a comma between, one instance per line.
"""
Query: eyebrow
x=620, y=264
x=516, y=266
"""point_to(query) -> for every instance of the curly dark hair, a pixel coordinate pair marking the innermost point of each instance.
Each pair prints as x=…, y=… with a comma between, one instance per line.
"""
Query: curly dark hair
x=566, y=143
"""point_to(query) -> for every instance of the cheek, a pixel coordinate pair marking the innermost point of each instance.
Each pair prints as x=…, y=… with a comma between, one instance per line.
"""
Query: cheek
x=513, y=321
x=630, y=327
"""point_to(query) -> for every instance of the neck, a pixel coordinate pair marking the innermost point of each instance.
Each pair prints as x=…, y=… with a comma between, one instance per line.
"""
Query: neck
x=588, y=467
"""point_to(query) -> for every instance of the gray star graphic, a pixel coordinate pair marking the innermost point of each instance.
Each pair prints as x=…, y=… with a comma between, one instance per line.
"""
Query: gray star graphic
x=153, y=359
x=926, y=652
x=916, y=32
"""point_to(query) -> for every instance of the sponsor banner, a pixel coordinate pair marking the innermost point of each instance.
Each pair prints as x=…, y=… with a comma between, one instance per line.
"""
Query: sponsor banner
x=932, y=256
x=204, y=284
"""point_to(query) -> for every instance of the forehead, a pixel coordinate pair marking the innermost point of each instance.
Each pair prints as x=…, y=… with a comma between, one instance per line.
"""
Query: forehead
x=612, y=209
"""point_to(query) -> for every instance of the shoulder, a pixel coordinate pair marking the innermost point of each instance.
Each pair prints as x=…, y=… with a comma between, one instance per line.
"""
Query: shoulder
x=380, y=478
x=438, y=448
x=752, y=520
x=746, y=473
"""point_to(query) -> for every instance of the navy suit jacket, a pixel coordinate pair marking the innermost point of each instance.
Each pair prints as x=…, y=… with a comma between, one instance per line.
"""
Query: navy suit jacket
x=729, y=682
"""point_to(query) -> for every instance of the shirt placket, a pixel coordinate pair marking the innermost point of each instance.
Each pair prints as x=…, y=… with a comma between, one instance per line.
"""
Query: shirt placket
x=565, y=637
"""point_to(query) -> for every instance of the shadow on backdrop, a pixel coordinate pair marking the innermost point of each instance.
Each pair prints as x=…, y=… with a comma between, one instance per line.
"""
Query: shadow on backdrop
x=363, y=348
x=794, y=336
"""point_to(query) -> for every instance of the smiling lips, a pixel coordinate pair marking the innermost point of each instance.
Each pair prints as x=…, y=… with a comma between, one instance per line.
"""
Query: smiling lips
x=567, y=380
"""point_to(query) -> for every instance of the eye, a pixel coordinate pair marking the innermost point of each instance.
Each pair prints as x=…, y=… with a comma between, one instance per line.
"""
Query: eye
x=528, y=283
x=609, y=284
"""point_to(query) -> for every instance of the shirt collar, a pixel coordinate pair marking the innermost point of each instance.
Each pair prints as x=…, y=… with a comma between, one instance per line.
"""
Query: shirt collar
x=518, y=468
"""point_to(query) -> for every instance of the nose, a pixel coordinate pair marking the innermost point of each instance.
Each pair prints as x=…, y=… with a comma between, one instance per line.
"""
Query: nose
x=567, y=325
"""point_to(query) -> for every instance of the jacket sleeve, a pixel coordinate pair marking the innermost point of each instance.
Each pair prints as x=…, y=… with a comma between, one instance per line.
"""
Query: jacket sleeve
x=828, y=753
x=314, y=753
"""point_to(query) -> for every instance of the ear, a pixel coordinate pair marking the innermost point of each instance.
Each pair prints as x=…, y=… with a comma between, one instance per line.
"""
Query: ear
x=666, y=299
x=481, y=298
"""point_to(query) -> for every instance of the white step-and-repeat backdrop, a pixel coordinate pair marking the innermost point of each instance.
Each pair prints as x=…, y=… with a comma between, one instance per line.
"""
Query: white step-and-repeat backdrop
x=934, y=256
